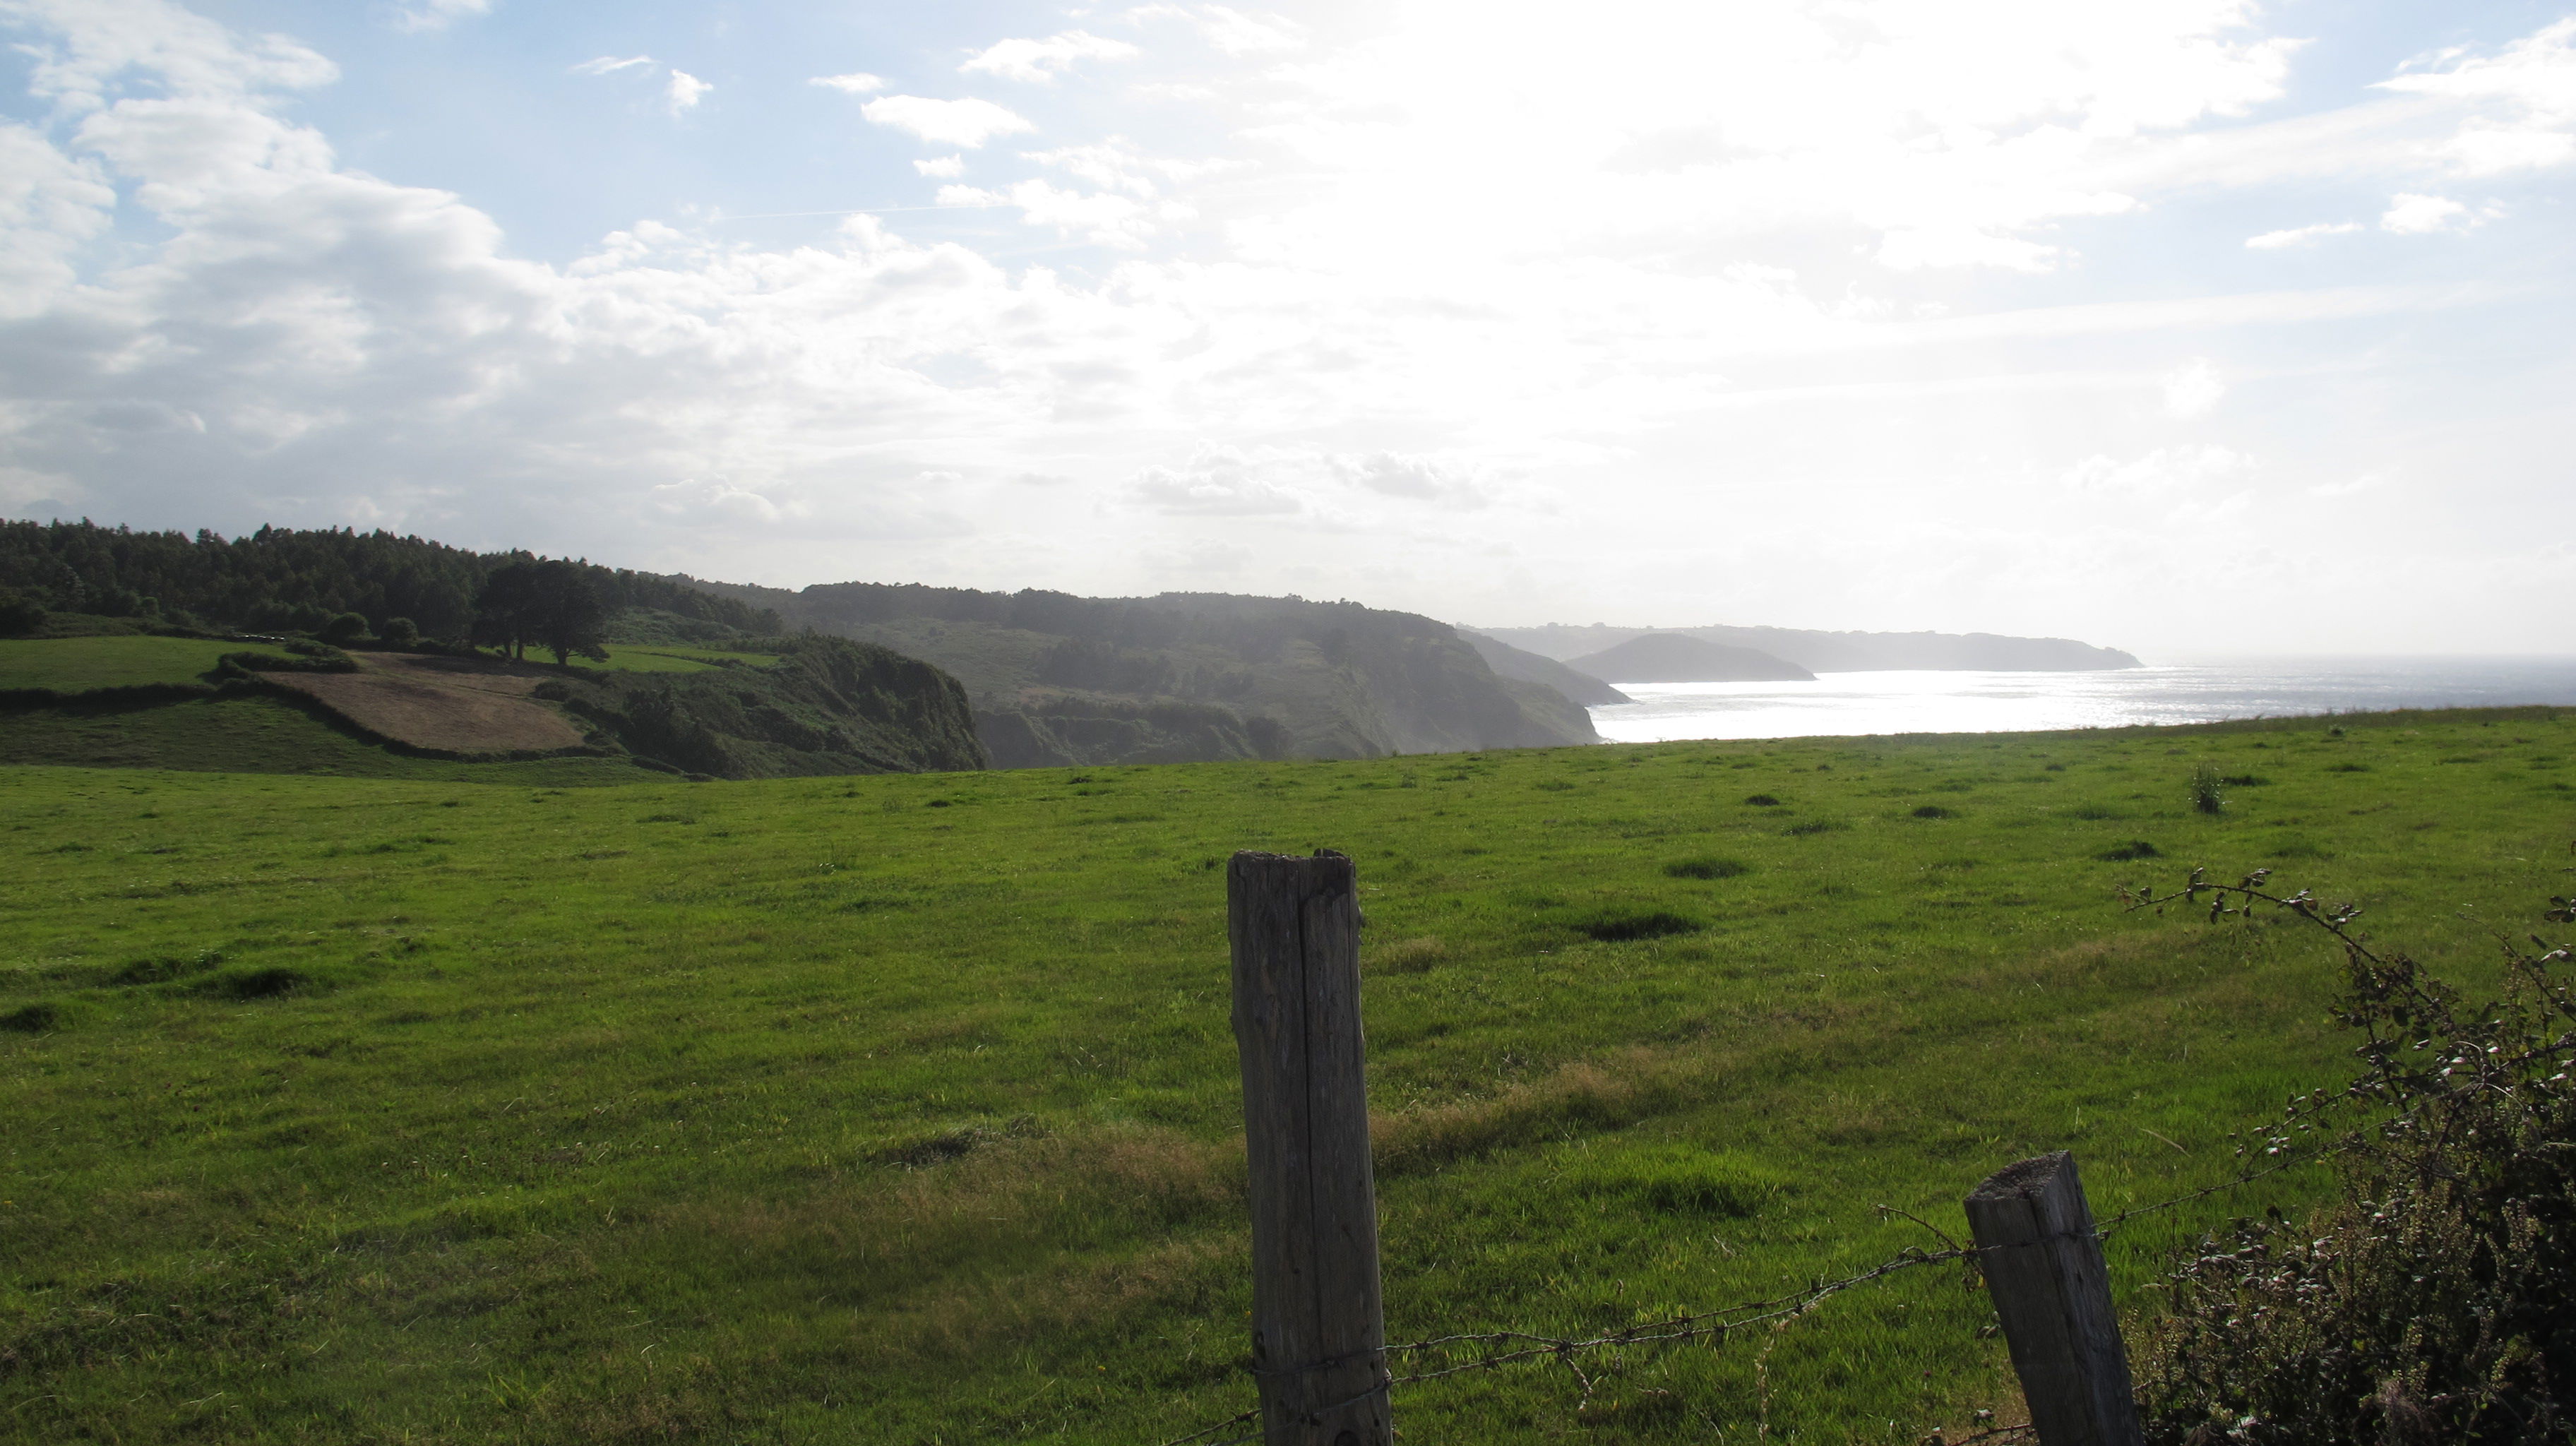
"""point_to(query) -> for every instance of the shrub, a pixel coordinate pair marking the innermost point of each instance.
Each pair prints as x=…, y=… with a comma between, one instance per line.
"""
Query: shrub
x=2208, y=793
x=1707, y=868
x=2435, y=1298
x=401, y=633
x=345, y=628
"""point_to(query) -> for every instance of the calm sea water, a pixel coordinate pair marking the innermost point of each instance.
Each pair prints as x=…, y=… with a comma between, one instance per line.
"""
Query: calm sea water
x=1929, y=702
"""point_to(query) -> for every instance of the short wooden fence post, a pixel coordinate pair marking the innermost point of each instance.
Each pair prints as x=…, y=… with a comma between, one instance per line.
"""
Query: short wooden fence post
x=1318, y=1323
x=2044, y=1267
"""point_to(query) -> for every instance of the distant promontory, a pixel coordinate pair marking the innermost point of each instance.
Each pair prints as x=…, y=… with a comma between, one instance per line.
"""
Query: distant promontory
x=1681, y=658
x=1823, y=652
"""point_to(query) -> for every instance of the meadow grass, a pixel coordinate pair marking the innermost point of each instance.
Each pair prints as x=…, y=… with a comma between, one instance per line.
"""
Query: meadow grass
x=251, y=735
x=674, y=658
x=77, y=665
x=903, y=1109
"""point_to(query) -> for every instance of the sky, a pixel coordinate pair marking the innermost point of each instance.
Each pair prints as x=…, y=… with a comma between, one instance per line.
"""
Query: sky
x=2185, y=326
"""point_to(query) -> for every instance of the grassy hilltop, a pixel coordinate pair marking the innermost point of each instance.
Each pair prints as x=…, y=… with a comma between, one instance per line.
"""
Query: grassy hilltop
x=902, y=1108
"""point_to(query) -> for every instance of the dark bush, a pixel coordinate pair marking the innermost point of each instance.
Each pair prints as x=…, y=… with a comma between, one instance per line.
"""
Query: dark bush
x=2435, y=1299
x=1934, y=810
x=1762, y=800
x=2134, y=849
x=1709, y=868
x=2245, y=780
x=343, y=629
x=401, y=633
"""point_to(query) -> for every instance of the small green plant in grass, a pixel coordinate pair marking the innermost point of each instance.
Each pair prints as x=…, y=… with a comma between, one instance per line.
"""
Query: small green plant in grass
x=42, y=1017
x=2208, y=788
x=1934, y=810
x=1761, y=800
x=1674, y=1178
x=2133, y=849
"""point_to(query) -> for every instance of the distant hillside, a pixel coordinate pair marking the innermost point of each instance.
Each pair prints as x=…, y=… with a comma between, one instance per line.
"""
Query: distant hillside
x=281, y=579
x=1823, y=652
x=805, y=705
x=1680, y=658
x=1058, y=679
x=1510, y=662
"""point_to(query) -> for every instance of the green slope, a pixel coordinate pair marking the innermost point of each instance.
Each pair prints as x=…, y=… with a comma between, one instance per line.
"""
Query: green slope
x=902, y=1108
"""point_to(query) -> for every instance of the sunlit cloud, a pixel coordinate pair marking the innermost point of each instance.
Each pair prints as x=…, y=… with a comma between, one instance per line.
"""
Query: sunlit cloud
x=1042, y=60
x=684, y=91
x=857, y=82
x=2301, y=235
x=969, y=123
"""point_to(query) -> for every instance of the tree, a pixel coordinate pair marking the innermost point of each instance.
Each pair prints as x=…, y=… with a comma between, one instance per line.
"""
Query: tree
x=550, y=603
x=345, y=628
x=402, y=633
x=19, y=613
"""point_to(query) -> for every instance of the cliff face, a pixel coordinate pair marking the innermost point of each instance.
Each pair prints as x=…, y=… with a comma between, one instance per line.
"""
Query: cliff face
x=1514, y=664
x=1823, y=652
x=1057, y=679
x=830, y=705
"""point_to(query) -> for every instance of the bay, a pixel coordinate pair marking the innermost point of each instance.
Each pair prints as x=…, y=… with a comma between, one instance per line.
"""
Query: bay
x=1842, y=704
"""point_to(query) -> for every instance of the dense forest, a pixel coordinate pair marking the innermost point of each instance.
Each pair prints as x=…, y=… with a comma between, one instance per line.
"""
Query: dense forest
x=280, y=578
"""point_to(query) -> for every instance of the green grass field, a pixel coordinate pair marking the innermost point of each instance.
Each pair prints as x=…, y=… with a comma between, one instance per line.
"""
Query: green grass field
x=76, y=665
x=903, y=1109
x=676, y=658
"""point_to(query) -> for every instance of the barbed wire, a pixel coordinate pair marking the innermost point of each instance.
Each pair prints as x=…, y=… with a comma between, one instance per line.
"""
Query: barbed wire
x=2279, y=1153
x=1719, y=1322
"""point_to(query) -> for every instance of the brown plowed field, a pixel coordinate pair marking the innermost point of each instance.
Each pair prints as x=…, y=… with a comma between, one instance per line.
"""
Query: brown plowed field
x=459, y=705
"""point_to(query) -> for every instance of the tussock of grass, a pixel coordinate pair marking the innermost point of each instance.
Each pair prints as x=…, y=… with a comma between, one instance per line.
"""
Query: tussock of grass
x=1406, y=956
x=1707, y=868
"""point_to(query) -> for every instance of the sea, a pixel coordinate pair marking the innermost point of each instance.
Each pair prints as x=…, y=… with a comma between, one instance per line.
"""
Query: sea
x=1841, y=704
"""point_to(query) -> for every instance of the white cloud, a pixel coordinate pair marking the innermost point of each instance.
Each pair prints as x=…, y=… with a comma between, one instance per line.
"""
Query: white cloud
x=2519, y=103
x=2412, y=215
x=1040, y=60
x=2170, y=474
x=968, y=123
x=857, y=82
x=610, y=64
x=942, y=166
x=1228, y=30
x=2301, y=235
x=685, y=91
x=1216, y=482
x=2193, y=388
x=437, y=14
x=1104, y=220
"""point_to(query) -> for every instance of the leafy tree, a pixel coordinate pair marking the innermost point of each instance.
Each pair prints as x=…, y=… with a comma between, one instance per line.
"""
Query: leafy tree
x=549, y=603
x=346, y=628
x=401, y=633
x=19, y=613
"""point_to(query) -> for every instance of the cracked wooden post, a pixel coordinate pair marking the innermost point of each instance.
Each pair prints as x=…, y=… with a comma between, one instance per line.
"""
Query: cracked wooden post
x=2052, y=1292
x=1318, y=1326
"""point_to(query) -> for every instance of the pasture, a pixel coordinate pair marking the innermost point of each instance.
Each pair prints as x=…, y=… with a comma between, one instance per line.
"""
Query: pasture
x=903, y=1108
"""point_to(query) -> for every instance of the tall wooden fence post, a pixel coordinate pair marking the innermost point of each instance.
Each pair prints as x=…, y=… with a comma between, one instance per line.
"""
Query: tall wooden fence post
x=1318, y=1325
x=2052, y=1292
